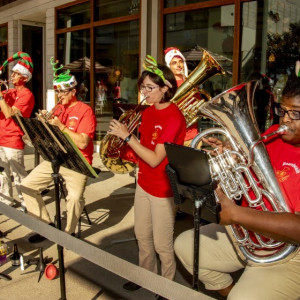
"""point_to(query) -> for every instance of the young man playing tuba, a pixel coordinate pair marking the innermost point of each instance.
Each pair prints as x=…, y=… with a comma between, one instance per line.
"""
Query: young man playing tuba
x=218, y=257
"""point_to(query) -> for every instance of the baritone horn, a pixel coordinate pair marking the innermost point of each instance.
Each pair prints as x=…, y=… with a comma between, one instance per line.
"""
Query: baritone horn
x=245, y=171
x=185, y=99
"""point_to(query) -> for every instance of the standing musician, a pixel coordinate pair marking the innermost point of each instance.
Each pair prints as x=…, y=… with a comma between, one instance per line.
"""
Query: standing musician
x=18, y=100
x=153, y=204
x=176, y=62
x=217, y=256
x=78, y=120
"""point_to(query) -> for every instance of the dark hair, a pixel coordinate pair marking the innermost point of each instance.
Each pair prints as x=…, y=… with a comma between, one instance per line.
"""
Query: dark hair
x=292, y=87
x=168, y=74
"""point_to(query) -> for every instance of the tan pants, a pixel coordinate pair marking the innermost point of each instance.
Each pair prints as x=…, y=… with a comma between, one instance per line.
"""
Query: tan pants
x=12, y=160
x=217, y=258
x=40, y=178
x=154, y=229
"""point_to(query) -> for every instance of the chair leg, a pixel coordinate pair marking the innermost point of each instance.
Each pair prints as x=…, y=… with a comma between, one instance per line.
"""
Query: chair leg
x=79, y=228
x=79, y=222
x=87, y=216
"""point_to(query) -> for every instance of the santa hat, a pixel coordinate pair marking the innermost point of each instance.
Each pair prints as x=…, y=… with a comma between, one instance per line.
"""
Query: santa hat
x=64, y=80
x=170, y=53
x=24, y=65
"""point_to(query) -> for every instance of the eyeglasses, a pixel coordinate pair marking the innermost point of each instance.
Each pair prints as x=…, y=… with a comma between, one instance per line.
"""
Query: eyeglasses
x=147, y=88
x=293, y=114
x=64, y=92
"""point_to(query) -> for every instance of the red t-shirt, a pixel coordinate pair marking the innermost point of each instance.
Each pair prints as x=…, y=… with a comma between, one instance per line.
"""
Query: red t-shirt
x=10, y=133
x=79, y=118
x=158, y=127
x=285, y=159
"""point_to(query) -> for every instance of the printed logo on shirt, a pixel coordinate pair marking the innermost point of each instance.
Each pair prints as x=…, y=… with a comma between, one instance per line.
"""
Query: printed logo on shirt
x=284, y=174
x=156, y=133
x=73, y=122
x=293, y=166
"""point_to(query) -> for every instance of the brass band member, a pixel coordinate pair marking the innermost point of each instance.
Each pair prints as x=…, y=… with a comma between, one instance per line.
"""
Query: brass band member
x=78, y=120
x=218, y=258
x=17, y=100
x=153, y=204
x=177, y=63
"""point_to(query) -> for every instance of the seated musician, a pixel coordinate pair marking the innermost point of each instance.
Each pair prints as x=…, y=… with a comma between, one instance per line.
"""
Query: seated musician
x=18, y=100
x=218, y=257
x=77, y=119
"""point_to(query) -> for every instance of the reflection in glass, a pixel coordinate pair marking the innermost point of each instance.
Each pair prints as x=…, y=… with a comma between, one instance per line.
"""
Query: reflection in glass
x=106, y=9
x=74, y=52
x=117, y=51
x=270, y=48
x=74, y=15
x=172, y=3
x=3, y=57
x=3, y=34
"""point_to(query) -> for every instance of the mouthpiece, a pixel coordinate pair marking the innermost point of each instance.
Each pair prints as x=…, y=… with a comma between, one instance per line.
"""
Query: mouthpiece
x=282, y=129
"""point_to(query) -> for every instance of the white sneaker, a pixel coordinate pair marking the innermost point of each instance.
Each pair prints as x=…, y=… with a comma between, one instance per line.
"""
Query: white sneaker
x=23, y=207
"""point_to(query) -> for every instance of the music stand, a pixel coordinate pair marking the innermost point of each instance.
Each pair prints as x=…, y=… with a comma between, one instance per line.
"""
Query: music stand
x=58, y=148
x=189, y=174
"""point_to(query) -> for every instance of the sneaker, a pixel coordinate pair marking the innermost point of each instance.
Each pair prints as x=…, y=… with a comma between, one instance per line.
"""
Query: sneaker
x=158, y=297
x=37, y=238
x=131, y=286
x=23, y=207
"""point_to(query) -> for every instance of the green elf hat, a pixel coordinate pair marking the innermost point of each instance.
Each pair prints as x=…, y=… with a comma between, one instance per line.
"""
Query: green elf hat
x=64, y=80
x=24, y=65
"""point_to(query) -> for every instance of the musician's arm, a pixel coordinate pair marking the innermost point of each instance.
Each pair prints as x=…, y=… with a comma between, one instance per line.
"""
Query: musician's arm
x=81, y=140
x=152, y=158
x=7, y=110
x=283, y=227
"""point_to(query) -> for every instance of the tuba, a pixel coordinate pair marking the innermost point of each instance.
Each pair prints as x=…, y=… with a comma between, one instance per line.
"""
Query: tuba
x=185, y=99
x=245, y=171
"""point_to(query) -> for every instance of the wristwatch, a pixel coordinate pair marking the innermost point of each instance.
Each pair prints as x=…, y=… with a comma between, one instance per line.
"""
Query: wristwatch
x=127, y=139
x=1, y=98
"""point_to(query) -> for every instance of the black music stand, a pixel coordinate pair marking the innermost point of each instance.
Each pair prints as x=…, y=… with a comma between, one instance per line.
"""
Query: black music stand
x=58, y=148
x=189, y=174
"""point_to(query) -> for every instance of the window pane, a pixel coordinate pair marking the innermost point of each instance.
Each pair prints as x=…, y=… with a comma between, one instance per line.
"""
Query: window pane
x=74, y=54
x=172, y=3
x=211, y=29
x=106, y=9
x=3, y=57
x=270, y=48
x=117, y=51
x=74, y=15
x=3, y=34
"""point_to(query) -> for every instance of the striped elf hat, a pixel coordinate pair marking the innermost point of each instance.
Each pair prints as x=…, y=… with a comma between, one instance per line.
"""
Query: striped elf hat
x=24, y=65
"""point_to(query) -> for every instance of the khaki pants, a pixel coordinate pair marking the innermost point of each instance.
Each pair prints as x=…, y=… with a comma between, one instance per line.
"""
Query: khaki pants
x=154, y=229
x=40, y=178
x=12, y=160
x=217, y=258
